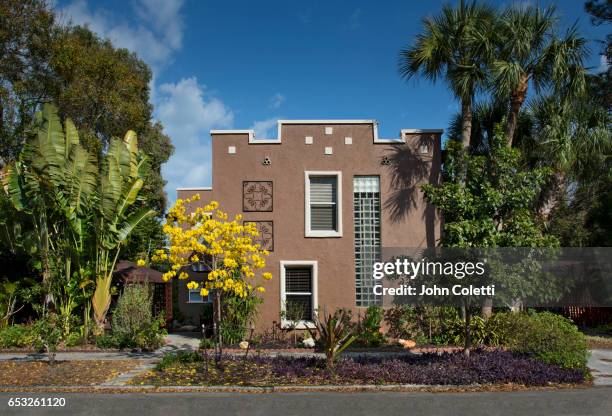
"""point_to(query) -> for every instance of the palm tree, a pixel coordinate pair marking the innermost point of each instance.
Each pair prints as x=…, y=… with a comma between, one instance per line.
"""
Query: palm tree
x=455, y=45
x=528, y=51
x=574, y=139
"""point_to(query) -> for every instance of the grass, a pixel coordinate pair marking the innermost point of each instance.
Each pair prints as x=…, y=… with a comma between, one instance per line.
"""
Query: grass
x=598, y=342
x=62, y=373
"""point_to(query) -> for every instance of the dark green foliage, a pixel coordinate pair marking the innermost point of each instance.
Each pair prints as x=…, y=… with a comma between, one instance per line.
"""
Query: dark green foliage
x=333, y=334
x=544, y=336
x=133, y=321
x=18, y=336
x=368, y=328
x=237, y=316
x=181, y=357
x=493, y=207
x=49, y=332
x=424, y=325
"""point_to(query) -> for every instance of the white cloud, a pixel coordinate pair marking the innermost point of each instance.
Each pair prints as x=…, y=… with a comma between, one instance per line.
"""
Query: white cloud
x=155, y=36
x=188, y=112
x=277, y=100
x=603, y=64
x=264, y=129
x=186, y=109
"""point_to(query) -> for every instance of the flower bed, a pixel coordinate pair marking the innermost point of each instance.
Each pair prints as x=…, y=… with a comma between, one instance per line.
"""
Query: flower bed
x=482, y=367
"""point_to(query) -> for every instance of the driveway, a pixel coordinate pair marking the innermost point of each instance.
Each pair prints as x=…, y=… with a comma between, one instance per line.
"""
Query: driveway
x=593, y=401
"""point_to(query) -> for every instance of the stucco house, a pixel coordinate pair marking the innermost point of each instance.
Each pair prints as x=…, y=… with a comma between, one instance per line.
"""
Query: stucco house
x=325, y=195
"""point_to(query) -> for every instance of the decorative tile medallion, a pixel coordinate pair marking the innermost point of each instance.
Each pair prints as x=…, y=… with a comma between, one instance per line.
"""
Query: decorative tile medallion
x=257, y=196
x=265, y=239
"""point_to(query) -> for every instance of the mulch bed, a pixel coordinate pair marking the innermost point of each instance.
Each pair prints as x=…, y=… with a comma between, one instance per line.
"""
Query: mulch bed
x=62, y=373
x=482, y=367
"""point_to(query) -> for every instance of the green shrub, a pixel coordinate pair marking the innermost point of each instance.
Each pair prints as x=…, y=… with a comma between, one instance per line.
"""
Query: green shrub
x=368, y=329
x=544, y=336
x=181, y=357
x=74, y=339
x=17, y=336
x=237, y=314
x=107, y=341
x=133, y=322
x=429, y=324
x=207, y=344
x=49, y=332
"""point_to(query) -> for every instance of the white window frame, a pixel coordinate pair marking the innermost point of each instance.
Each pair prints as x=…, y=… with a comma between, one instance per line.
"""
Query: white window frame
x=313, y=264
x=189, y=291
x=308, y=232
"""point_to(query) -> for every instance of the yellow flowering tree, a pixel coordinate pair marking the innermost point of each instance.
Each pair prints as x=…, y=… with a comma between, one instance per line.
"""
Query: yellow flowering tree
x=206, y=235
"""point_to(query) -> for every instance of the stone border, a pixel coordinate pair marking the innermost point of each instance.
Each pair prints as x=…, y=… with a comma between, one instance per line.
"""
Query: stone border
x=351, y=388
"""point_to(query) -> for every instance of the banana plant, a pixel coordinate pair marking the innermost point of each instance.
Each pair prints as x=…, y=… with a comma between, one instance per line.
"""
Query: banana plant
x=79, y=212
x=53, y=184
x=121, y=179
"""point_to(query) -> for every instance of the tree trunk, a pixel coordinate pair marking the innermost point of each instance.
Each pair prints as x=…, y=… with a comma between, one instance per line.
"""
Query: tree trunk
x=553, y=195
x=217, y=324
x=517, y=98
x=487, y=307
x=466, y=123
x=468, y=332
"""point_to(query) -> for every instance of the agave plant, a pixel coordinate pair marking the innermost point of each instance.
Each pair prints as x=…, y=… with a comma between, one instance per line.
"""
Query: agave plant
x=334, y=333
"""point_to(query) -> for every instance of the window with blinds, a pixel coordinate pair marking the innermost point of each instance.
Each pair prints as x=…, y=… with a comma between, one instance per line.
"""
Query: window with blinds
x=323, y=199
x=298, y=293
x=323, y=207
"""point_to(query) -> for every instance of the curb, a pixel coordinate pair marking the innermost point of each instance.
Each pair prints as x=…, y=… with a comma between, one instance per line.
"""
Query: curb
x=291, y=389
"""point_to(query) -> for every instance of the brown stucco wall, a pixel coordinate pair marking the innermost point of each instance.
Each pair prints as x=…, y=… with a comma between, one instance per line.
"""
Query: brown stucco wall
x=407, y=220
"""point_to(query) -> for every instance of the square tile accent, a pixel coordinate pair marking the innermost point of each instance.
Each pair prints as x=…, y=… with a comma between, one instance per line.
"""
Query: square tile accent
x=265, y=239
x=348, y=140
x=308, y=140
x=231, y=150
x=329, y=130
x=257, y=196
x=329, y=150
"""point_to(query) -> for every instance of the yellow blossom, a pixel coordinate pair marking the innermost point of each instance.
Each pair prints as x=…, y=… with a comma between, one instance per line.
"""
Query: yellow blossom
x=261, y=289
x=141, y=263
x=203, y=292
x=267, y=275
x=192, y=285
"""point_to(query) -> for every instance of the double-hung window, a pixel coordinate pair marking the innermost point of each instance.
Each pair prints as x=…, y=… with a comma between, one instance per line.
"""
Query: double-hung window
x=298, y=293
x=323, y=204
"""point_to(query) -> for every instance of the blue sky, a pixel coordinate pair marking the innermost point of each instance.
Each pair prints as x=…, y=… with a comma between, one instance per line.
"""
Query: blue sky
x=245, y=64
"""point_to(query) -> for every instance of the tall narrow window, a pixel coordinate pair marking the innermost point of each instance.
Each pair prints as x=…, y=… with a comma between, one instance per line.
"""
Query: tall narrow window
x=323, y=204
x=366, y=204
x=298, y=292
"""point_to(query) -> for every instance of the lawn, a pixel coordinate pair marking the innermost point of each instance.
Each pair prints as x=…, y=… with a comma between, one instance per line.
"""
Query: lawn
x=62, y=373
x=482, y=367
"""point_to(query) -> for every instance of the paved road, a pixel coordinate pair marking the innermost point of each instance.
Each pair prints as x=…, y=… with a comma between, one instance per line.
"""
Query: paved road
x=594, y=401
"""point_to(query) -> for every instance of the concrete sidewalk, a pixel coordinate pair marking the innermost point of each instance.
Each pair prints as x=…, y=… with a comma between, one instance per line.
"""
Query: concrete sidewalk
x=600, y=363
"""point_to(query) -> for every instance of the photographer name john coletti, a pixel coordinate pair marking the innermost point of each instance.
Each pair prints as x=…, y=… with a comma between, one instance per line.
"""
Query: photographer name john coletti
x=435, y=290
